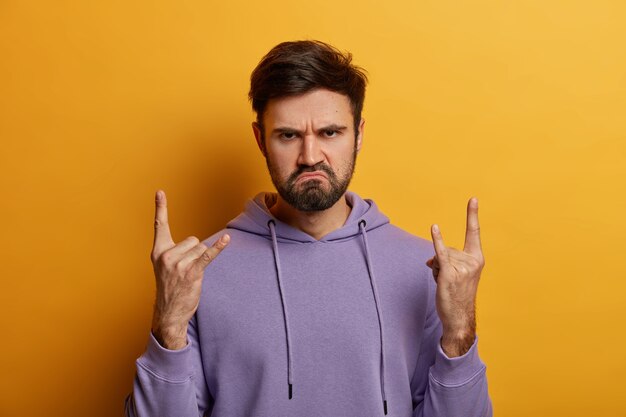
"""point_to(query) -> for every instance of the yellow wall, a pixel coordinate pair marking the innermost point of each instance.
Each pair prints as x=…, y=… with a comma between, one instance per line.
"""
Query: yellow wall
x=520, y=103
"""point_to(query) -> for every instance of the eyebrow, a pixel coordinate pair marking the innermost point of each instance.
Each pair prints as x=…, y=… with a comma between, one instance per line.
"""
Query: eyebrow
x=285, y=129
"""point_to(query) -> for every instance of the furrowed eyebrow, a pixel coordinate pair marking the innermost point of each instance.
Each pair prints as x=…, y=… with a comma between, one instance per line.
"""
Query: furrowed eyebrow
x=291, y=130
x=284, y=130
x=333, y=127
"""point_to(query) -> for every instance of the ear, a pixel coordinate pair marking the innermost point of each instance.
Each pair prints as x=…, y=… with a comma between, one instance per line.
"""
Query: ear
x=256, y=128
x=359, y=138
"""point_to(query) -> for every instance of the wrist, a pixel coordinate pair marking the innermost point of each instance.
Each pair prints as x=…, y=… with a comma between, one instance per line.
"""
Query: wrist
x=456, y=343
x=169, y=341
x=172, y=337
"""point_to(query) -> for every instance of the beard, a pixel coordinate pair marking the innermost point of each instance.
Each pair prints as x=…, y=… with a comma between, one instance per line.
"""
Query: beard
x=312, y=194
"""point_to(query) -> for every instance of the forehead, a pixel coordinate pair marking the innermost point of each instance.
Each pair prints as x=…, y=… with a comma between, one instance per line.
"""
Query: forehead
x=319, y=106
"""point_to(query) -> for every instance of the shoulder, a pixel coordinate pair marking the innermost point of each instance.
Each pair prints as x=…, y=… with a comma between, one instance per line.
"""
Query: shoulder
x=398, y=239
x=240, y=243
x=236, y=237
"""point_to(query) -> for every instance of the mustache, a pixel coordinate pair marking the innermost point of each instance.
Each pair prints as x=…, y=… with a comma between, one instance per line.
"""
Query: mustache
x=307, y=168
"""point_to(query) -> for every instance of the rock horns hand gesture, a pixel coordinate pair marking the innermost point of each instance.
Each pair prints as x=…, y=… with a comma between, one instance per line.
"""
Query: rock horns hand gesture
x=178, y=269
x=457, y=274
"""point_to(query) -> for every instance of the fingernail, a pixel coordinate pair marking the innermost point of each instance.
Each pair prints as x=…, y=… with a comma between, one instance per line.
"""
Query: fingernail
x=435, y=228
x=159, y=195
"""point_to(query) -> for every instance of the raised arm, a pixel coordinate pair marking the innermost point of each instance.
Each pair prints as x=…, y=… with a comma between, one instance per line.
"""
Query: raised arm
x=450, y=378
x=169, y=380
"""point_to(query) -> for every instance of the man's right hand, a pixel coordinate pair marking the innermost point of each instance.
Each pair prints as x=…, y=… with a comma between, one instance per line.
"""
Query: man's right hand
x=178, y=269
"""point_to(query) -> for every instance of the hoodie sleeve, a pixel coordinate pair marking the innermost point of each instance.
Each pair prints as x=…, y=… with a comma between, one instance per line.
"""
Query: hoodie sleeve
x=443, y=386
x=169, y=383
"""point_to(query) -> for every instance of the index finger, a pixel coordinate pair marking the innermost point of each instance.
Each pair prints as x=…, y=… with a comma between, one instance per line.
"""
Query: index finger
x=472, y=230
x=162, y=236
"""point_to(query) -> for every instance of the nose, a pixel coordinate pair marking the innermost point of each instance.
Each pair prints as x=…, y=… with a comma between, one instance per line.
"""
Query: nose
x=311, y=151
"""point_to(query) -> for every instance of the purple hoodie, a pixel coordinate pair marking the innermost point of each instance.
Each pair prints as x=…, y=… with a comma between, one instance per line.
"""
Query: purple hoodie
x=291, y=326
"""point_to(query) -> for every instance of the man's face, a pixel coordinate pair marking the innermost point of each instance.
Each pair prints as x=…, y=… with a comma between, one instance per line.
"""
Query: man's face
x=310, y=147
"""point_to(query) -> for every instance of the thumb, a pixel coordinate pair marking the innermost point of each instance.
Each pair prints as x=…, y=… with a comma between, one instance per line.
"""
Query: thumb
x=211, y=253
x=440, y=248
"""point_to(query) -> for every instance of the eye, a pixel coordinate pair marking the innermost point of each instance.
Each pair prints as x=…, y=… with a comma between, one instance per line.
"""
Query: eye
x=288, y=135
x=329, y=133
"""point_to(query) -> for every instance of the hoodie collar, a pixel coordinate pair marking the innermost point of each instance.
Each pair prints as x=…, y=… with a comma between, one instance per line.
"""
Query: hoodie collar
x=256, y=215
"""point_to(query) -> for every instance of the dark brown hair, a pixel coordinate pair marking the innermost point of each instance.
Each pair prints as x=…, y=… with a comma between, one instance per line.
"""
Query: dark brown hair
x=293, y=68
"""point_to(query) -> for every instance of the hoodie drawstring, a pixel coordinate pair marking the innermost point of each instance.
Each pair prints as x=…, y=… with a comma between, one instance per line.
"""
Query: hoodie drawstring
x=362, y=225
x=271, y=225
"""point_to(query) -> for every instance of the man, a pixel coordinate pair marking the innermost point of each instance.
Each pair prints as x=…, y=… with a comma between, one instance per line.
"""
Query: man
x=310, y=302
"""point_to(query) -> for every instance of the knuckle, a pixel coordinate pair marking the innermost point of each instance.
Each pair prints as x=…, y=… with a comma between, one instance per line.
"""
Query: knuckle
x=180, y=267
x=477, y=263
x=166, y=259
x=208, y=256
x=200, y=248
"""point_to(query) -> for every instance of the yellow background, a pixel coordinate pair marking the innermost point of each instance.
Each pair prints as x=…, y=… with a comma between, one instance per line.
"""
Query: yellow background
x=520, y=103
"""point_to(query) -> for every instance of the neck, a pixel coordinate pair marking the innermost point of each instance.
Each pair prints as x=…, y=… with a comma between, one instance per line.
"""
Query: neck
x=314, y=223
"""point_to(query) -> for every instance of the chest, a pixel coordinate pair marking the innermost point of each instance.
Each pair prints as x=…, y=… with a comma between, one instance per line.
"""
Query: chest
x=327, y=298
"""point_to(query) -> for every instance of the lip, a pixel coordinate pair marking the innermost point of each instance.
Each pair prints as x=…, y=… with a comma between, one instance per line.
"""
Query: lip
x=308, y=175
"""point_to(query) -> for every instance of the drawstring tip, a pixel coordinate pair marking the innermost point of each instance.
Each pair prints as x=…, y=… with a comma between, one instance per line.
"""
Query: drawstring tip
x=385, y=406
x=290, y=392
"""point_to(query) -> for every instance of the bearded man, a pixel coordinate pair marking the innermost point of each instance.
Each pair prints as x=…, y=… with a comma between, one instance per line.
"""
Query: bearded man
x=310, y=302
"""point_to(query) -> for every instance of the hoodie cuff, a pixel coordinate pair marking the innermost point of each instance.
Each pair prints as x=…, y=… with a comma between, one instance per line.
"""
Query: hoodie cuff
x=458, y=370
x=167, y=364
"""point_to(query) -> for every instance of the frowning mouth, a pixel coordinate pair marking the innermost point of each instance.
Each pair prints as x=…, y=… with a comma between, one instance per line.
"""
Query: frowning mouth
x=312, y=175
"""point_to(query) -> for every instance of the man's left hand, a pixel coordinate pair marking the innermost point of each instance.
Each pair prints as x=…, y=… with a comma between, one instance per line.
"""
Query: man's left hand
x=457, y=274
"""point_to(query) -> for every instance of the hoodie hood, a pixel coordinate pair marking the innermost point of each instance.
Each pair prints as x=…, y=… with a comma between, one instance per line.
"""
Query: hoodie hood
x=256, y=215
